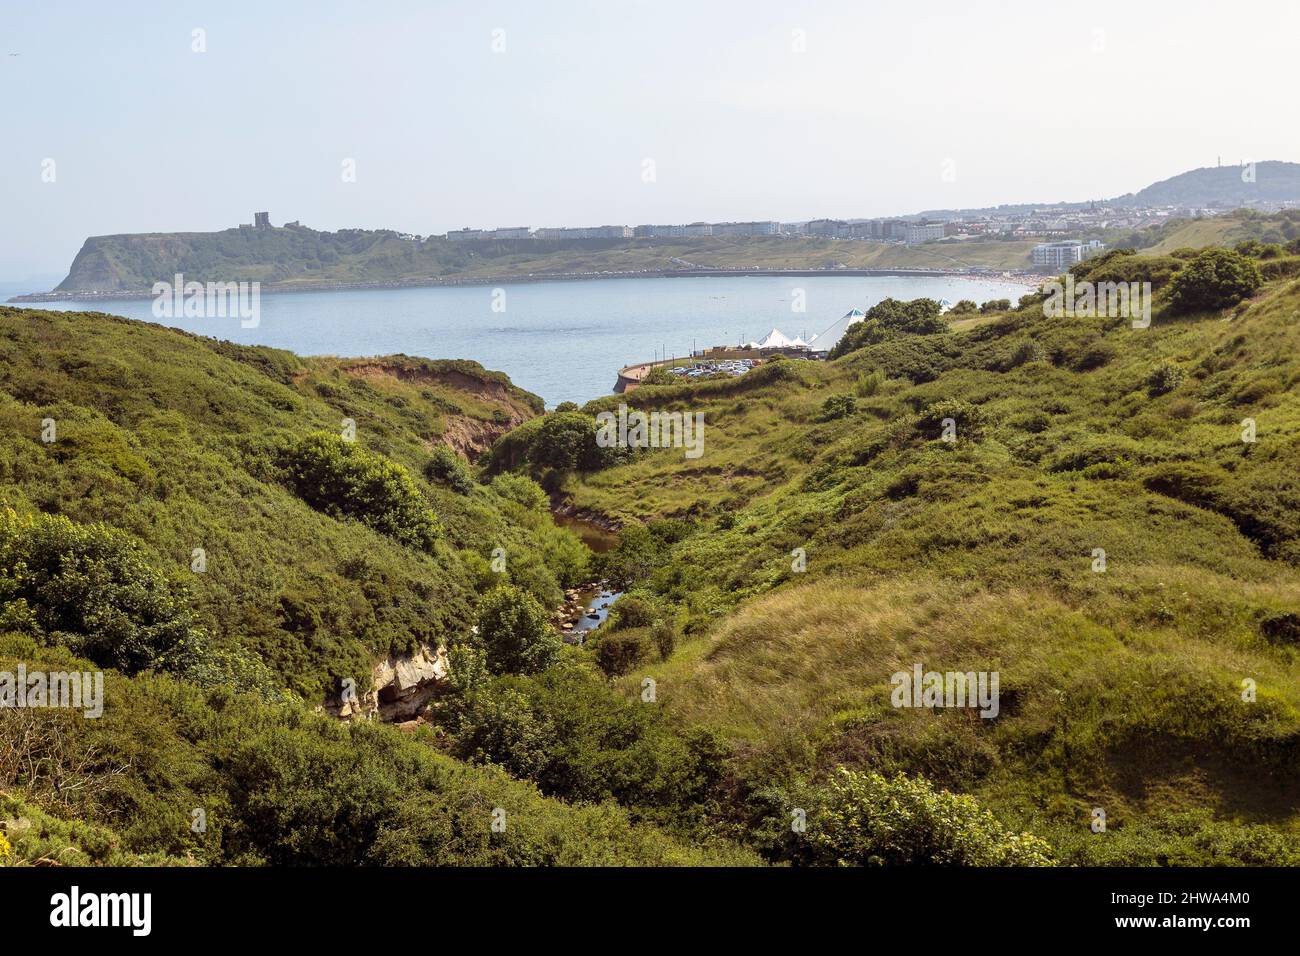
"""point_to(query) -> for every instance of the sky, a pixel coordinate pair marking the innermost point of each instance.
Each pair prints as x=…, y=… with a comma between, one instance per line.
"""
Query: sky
x=120, y=117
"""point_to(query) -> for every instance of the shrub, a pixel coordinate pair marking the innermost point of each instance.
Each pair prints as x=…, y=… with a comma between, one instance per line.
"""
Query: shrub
x=522, y=490
x=1282, y=628
x=1024, y=353
x=630, y=611
x=1165, y=377
x=858, y=336
x=1093, y=356
x=499, y=726
x=914, y=317
x=866, y=819
x=516, y=633
x=664, y=634
x=1123, y=266
x=837, y=406
x=343, y=480
x=870, y=384
x=1215, y=279
x=618, y=652
x=91, y=588
x=659, y=375
x=964, y=307
x=446, y=468
x=995, y=305
x=567, y=441
x=970, y=420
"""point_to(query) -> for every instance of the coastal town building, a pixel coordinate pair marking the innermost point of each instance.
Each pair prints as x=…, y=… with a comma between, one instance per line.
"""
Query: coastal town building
x=1063, y=254
x=922, y=231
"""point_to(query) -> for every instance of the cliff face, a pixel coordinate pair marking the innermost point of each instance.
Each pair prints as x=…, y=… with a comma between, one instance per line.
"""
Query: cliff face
x=125, y=263
x=92, y=271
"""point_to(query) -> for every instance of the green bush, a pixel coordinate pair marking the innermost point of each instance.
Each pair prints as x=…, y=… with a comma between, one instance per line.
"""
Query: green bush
x=837, y=406
x=664, y=635
x=522, y=490
x=515, y=632
x=865, y=819
x=90, y=588
x=1215, y=279
x=870, y=384
x=446, y=468
x=499, y=725
x=343, y=480
x=617, y=652
x=1164, y=378
x=970, y=420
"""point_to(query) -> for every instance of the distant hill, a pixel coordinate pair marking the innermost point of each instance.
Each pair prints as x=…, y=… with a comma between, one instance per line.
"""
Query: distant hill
x=1228, y=186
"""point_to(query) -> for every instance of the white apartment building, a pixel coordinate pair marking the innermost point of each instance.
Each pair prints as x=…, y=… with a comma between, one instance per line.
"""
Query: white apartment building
x=923, y=231
x=1063, y=254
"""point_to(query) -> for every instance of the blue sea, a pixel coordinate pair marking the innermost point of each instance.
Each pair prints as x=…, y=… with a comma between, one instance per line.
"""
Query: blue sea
x=563, y=340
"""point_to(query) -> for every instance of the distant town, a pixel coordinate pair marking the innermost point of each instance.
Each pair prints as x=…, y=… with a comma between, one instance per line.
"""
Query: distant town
x=1065, y=229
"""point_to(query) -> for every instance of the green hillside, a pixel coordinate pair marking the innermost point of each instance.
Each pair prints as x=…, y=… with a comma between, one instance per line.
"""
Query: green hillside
x=738, y=707
x=1122, y=688
x=296, y=257
x=321, y=557
x=1228, y=230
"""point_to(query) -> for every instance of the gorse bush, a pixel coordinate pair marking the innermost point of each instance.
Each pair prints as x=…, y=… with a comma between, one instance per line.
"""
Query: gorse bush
x=866, y=819
x=617, y=652
x=892, y=317
x=1165, y=377
x=521, y=490
x=837, y=406
x=969, y=420
x=91, y=588
x=1215, y=279
x=344, y=480
x=446, y=468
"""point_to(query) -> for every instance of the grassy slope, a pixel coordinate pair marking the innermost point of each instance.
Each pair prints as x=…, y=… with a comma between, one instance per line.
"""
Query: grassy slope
x=163, y=434
x=1224, y=231
x=1122, y=689
x=166, y=436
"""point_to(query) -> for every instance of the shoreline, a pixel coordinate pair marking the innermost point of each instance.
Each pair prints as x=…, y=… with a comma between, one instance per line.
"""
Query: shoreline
x=1009, y=277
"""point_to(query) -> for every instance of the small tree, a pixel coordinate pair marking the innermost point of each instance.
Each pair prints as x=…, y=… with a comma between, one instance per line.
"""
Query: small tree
x=517, y=636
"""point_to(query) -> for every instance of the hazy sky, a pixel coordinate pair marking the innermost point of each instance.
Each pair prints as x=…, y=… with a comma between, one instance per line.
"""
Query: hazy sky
x=859, y=114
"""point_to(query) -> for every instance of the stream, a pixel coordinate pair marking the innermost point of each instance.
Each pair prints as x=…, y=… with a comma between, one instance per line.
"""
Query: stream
x=596, y=601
